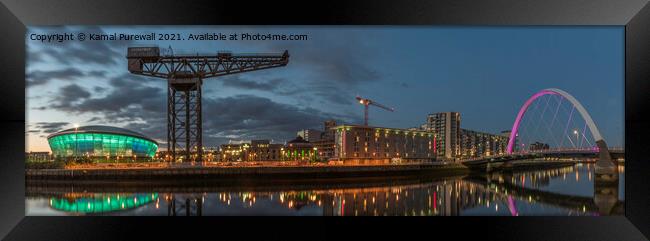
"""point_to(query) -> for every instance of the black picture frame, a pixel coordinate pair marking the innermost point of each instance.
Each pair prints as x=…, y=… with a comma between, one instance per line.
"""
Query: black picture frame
x=15, y=15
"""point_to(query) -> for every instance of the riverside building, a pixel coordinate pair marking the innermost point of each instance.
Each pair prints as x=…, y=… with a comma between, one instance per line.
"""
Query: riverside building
x=263, y=150
x=367, y=144
x=325, y=144
x=477, y=144
x=446, y=126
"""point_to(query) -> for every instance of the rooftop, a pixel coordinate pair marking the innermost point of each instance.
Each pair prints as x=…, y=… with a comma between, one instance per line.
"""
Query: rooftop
x=101, y=129
x=382, y=128
x=298, y=139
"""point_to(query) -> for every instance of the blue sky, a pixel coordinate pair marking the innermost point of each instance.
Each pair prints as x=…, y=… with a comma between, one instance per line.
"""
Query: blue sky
x=486, y=73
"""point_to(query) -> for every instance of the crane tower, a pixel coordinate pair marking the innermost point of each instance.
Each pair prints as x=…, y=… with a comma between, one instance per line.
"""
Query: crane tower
x=185, y=75
x=366, y=103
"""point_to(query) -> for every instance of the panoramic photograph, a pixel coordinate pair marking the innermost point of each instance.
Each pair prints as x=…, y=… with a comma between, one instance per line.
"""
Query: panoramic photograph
x=324, y=121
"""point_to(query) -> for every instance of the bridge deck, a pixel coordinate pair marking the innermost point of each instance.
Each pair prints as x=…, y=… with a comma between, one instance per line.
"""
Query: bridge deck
x=590, y=153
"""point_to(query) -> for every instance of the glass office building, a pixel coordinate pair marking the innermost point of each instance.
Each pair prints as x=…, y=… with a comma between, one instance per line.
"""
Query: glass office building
x=101, y=143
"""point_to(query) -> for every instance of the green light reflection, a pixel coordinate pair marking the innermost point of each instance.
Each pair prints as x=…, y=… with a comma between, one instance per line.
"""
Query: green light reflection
x=102, y=202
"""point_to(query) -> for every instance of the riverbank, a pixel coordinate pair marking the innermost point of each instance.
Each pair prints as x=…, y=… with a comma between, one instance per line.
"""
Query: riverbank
x=165, y=171
x=212, y=172
x=36, y=187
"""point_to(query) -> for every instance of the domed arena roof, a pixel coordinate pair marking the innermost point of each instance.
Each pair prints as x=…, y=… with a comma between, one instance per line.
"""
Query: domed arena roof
x=101, y=129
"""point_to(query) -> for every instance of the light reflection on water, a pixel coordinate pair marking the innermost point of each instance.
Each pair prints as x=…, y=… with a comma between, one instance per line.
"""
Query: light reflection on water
x=561, y=191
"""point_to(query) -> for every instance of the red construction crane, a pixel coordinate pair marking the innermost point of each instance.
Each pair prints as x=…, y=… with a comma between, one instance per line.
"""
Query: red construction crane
x=185, y=75
x=366, y=103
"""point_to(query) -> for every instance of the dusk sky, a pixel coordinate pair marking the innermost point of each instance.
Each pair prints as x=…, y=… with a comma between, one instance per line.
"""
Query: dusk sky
x=485, y=73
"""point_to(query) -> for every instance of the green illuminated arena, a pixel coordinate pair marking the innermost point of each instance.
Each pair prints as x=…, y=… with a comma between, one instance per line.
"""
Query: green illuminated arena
x=101, y=143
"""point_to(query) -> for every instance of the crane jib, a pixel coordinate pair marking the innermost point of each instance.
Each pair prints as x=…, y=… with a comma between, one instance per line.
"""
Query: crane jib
x=185, y=75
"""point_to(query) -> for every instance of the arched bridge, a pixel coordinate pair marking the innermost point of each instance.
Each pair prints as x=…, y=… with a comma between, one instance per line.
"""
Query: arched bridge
x=605, y=162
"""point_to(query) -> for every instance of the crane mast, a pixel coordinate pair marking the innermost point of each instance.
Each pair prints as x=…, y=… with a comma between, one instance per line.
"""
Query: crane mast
x=368, y=102
x=185, y=75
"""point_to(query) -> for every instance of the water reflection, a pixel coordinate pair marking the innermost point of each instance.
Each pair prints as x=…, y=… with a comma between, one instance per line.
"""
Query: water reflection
x=83, y=203
x=559, y=191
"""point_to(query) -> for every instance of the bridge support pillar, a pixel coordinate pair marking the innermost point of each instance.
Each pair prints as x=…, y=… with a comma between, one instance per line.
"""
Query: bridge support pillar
x=606, y=169
x=603, y=151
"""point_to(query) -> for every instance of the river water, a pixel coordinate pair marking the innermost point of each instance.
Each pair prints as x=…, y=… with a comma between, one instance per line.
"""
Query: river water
x=566, y=191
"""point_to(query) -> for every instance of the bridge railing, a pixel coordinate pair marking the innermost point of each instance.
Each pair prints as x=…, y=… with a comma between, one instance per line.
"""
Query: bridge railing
x=553, y=150
x=556, y=150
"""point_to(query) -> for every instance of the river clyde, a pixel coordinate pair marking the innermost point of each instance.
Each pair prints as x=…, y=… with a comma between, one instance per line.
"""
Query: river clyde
x=561, y=191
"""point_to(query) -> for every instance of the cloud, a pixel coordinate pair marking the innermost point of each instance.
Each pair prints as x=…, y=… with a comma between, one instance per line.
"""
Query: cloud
x=129, y=100
x=67, y=96
x=94, y=119
x=248, y=117
x=124, y=94
x=243, y=117
x=127, y=93
x=323, y=71
x=329, y=68
x=236, y=81
x=48, y=127
x=97, y=73
x=99, y=89
x=342, y=59
x=73, y=92
x=34, y=56
x=332, y=66
x=39, y=77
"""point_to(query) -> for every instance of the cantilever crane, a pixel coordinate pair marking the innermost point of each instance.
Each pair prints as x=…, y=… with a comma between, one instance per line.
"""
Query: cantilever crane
x=185, y=75
x=366, y=103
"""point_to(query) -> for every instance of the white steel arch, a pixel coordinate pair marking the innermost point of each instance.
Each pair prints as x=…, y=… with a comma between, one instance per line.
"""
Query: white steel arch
x=552, y=91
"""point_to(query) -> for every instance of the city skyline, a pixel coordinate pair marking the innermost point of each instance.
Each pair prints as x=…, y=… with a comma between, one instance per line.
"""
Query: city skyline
x=88, y=83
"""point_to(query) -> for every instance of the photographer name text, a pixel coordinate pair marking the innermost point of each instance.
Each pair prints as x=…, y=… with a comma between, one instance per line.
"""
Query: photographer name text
x=63, y=37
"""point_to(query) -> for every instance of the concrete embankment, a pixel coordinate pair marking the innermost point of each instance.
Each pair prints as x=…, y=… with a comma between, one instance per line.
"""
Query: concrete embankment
x=245, y=172
x=37, y=187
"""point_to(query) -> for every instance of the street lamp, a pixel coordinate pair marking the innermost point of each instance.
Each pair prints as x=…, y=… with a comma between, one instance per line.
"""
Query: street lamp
x=314, y=154
x=577, y=138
